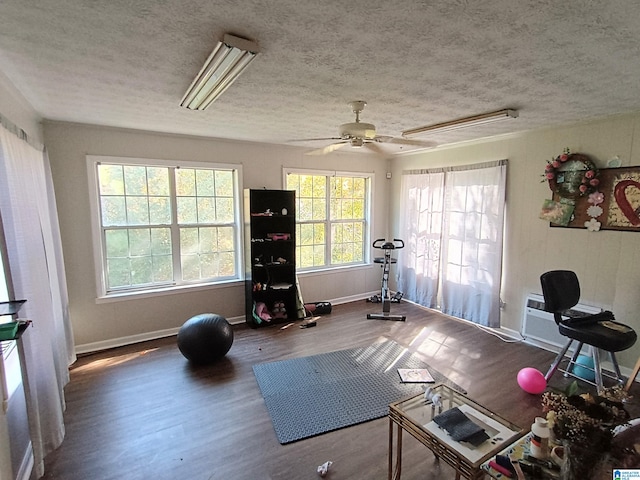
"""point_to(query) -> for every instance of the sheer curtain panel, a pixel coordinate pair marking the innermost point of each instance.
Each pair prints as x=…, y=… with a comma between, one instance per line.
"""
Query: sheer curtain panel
x=30, y=224
x=454, y=226
x=418, y=264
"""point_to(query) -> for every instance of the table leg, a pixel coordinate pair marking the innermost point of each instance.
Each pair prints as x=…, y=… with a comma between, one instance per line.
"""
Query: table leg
x=394, y=474
x=390, y=473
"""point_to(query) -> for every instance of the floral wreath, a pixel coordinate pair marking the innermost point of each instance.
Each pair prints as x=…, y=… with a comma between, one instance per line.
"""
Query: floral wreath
x=589, y=180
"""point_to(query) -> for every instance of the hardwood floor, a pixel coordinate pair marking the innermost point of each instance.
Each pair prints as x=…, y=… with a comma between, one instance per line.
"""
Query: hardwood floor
x=142, y=412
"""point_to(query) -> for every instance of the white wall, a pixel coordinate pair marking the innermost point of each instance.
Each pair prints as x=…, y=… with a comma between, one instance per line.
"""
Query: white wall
x=606, y=262
x=97, y=325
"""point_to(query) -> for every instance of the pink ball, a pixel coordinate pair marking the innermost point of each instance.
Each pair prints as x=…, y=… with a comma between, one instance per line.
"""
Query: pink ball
x=531, y=380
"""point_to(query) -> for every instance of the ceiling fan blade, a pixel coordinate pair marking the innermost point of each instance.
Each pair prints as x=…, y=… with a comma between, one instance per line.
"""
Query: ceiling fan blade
x=327, y=149
x=376, y=148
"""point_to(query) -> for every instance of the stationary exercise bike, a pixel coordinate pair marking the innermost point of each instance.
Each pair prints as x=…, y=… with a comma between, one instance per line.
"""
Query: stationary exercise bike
x=385, y=296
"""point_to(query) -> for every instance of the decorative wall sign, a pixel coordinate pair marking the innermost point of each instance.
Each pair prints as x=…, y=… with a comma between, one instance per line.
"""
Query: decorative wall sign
x=615, y=205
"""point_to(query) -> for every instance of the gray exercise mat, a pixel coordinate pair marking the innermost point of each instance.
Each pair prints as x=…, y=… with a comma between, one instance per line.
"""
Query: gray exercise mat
x=311, y=395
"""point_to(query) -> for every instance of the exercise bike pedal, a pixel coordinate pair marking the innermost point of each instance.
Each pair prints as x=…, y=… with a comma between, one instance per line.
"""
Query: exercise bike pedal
x=397, y=297
x=374, y=299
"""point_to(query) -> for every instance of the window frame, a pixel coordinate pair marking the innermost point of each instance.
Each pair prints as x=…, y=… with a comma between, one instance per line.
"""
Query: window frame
x=369, y=178
x=174, y=286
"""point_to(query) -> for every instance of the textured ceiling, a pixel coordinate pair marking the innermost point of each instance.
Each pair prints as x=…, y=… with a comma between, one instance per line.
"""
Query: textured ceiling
x=127, y=63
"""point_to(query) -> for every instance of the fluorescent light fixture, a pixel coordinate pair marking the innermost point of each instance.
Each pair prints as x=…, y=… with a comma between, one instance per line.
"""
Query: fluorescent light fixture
x=464, y=122
x=228, y=60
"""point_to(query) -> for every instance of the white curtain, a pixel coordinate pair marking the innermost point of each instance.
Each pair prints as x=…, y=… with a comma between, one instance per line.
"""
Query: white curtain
x=453, y=227
x=418, y=264
x=30, y=223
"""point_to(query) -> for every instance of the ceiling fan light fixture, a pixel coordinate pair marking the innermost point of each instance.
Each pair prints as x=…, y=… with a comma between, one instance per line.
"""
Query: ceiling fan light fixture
x=226, y=62
x=466, y=122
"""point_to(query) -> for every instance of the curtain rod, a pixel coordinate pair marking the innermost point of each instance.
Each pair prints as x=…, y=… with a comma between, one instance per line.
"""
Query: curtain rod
x=20, y=133
x=456, y=168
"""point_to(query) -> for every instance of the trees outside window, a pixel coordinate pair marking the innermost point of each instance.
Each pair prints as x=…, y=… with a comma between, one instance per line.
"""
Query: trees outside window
x=332, y=218
x=161, y=225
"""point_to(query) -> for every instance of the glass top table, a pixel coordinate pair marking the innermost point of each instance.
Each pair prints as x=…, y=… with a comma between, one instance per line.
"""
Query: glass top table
x=415, y=415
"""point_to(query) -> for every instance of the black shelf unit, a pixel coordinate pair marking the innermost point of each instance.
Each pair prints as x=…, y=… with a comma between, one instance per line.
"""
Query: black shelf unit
x=270, y=255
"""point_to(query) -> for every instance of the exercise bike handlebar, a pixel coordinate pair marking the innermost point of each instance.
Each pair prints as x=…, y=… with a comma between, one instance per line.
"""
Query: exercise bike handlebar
x=384, y=245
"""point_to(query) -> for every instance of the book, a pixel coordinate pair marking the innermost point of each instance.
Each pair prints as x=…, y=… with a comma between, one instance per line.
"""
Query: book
x=415, y=375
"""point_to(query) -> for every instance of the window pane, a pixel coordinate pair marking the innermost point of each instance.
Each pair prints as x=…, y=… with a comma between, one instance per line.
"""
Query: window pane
x=160, y=210
x=116, y=243
x=318, y=234
x=310, y=195
x=305, y=234
x=319, y=209
x=319, y=255
x=205, y=185
x=347, y=242
x=162, y=268
x=209, y=265
x=224, y=210
x=187, y=210
x=160, y=241
x=225, y=238
x=137, y=211
x=118, y=272
x=207, y=252
x=224, y=183
x=189, y=242
x=293, y=183
x=111, y=179
x=140, y=242
x=227, y=265
x=208, y=239
x=319, y=186
x=185, y=182
x=158, y=181
x=131, y=256
x=141, y=269
x=305, y=209
x=206, y=210
x=305, y=258
x=135, y=180
x=114, y=211
x=190, y=267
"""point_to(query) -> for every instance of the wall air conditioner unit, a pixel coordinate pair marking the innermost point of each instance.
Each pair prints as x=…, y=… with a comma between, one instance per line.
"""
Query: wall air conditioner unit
x=540, y=329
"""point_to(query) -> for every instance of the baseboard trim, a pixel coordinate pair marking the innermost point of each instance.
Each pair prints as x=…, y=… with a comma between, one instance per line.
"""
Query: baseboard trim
x=131, y=339
x=92, y=347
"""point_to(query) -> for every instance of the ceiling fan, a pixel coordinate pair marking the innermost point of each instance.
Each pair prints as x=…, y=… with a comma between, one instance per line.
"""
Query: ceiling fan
x=360, y=134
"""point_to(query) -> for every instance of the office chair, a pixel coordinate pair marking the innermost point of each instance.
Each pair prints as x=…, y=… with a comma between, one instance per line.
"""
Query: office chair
x=561, y=291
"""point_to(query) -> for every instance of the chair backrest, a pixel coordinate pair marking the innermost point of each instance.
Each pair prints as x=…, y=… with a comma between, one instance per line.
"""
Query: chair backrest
x=561, y=291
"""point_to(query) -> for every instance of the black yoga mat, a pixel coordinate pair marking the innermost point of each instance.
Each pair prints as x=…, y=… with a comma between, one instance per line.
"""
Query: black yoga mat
x=312, y=395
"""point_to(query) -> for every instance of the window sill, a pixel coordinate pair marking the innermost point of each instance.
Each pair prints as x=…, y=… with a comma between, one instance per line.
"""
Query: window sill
x=161, y=292
x=330, y=270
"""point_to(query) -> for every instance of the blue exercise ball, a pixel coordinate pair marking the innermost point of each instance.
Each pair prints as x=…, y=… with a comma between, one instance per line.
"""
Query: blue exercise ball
x=583, y=368
x=205, y=338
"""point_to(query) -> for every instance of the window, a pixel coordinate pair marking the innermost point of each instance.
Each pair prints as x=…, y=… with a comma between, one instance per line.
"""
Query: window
x=453, y=223
x=332, y=217
x=161, y=225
